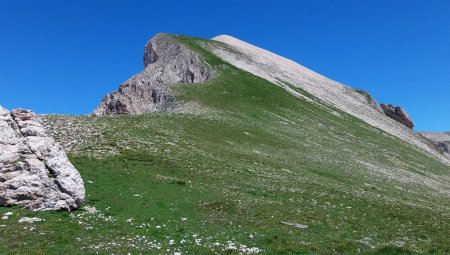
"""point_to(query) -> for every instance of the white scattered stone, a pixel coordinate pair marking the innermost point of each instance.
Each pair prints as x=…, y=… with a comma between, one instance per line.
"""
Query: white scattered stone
x=91, y=209
x=30, y=220
x=295, y=225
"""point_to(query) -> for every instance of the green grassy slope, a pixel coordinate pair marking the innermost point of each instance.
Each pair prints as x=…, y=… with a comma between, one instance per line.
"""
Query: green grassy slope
x=211, y=182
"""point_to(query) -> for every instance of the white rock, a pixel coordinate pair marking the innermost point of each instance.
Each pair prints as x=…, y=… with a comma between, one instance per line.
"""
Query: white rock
x=35, y=172
x=30, y=220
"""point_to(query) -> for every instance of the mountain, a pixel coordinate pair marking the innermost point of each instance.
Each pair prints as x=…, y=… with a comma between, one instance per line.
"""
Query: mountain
x=440, y=139
x=253, y=154
x=168, y=62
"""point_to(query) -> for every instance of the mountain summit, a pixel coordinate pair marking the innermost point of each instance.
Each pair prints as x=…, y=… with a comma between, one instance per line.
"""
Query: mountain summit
x=166, y=62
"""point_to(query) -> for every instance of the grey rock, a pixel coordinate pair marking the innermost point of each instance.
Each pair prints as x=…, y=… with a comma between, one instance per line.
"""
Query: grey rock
x=397, y=113
x=443, y=146
x=440, y=139
x=166, y=62
x=35, y=172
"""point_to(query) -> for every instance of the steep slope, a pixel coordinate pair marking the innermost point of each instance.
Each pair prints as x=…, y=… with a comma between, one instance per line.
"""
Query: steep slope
x=221, y=181
x=291, y=75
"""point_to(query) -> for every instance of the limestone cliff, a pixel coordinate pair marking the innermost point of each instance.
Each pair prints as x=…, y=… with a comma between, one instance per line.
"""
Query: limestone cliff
x=166, y=62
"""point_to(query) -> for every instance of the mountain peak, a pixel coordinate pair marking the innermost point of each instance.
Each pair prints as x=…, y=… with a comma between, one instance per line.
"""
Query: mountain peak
x=167, y=61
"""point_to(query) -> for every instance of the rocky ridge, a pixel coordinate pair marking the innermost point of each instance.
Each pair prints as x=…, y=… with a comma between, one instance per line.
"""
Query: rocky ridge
x=440, y=139
x=166, y=62
x=291, y=75
x=35, y=172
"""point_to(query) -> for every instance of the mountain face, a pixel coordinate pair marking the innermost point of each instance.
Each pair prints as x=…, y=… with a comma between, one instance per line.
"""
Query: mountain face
x=272, y=159
x=35, y=173
x=166, y=62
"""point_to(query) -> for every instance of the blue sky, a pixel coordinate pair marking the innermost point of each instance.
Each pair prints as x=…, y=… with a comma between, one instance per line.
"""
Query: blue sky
x=64, y=56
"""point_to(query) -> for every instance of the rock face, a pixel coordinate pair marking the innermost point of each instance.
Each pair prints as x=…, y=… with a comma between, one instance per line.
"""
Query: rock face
x=166, y=62
x=397, y=113
x=35, y=172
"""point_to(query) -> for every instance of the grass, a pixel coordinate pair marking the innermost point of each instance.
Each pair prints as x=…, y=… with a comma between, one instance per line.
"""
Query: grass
x=226, y=178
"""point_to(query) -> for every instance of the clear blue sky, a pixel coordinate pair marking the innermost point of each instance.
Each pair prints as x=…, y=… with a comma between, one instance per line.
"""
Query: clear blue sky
x=64, y=56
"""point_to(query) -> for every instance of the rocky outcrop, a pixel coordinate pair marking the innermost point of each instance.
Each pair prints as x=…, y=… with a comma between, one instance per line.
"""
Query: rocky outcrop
x=441, y=140
x=35, y=172
x=397, y=113
x=166, y=62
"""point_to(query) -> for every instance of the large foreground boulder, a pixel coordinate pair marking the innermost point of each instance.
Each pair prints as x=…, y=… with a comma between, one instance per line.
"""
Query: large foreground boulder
x=397, y=113
x=35, y=172
x=167, y=61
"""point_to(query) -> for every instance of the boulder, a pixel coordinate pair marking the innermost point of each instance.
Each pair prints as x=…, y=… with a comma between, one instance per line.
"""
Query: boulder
x=397, y=113
x=166, y=62
x=35, y=172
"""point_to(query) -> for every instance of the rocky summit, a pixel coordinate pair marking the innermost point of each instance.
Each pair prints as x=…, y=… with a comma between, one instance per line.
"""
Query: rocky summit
x=166, y=62
x=35, y=172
